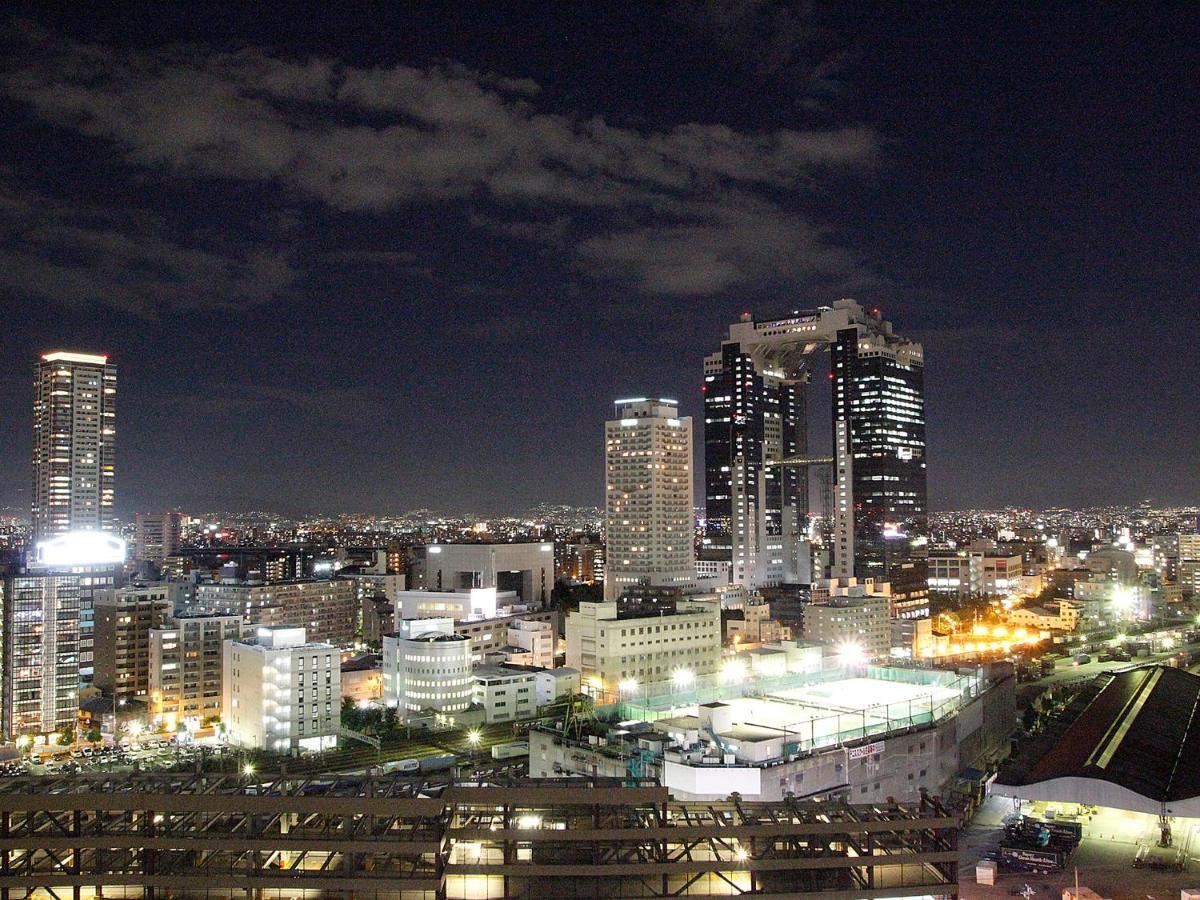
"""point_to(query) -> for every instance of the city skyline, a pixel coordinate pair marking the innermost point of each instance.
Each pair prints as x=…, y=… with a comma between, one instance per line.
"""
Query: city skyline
x=295, y=340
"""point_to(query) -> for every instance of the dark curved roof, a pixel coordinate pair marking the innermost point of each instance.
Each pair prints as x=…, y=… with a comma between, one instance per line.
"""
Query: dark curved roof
x=1140, y=730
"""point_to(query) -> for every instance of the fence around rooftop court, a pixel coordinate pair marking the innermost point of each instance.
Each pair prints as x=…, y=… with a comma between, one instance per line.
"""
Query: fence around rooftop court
x=844, y=724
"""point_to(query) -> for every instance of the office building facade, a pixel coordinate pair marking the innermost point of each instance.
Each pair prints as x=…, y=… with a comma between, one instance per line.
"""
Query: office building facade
x=427, y=669
x=650, y=526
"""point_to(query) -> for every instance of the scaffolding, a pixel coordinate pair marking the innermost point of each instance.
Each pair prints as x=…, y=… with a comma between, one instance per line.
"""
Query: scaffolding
x=395, y=838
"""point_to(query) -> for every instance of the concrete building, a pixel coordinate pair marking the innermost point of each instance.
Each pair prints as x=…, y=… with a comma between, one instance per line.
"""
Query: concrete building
x=186, y=668
x=281, y=692
x=556, y=685
x=751, y=623
x=506, y=693
x=886, y=733
x=326, y=609
x=362, y=680
x=968, y=573
x=40, y=653
x=427, y=669
x=1057, y=615
x=860, y=620
x=650, y=526
x=74, y=444
x=531, y=643
x=526, y=569
x=124, y=619
x=378, y=618
x=609, y=649
x=158, y=536
x=459, y=604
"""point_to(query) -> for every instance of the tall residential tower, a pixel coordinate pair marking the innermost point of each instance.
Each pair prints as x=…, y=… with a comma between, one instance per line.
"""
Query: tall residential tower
x=648, y=497
x=74, y=434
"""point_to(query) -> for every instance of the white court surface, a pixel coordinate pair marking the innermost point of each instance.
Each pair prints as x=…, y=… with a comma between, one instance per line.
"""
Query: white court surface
x=821, y=714
x=858, y=694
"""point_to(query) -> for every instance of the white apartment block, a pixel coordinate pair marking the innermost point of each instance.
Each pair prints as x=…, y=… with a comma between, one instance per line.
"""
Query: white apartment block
x=554, y=685
x=427, y=668
x=186, y=668
x=650, y=524
x=281, y=692
x=74, y=440
x=506, y=693
x=608, y=650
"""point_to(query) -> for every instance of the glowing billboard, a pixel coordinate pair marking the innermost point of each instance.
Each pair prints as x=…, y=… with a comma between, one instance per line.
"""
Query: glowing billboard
x=81, y=548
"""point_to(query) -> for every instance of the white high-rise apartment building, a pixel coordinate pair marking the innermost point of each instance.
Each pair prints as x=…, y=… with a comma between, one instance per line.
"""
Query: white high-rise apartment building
x=648, y=497
x=74, y=435
x=280, y=692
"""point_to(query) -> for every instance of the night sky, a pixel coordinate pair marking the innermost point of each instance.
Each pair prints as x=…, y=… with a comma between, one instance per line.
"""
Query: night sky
x=370, y=261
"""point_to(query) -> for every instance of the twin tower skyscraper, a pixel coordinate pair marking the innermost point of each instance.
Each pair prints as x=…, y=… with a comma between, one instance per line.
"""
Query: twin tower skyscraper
x=757, y=457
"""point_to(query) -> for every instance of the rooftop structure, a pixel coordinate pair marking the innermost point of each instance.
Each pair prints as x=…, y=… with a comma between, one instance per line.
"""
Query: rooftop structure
x=1129, y=742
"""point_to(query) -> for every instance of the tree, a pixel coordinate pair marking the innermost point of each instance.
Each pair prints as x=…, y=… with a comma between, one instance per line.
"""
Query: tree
x=94, y=736
x=66, y=737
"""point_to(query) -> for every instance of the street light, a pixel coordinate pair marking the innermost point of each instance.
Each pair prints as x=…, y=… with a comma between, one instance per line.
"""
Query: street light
x=682, y=678
x=851, y=653
x=628, y=686
x=733, y=671
x=473, y=738
x=248, y=769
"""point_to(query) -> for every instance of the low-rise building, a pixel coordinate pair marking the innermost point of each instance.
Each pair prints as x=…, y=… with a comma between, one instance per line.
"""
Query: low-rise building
x=608, y=648
x=427, y=669
x=506, y=693
x=282, y=692
x=556, y=685
x=1055, y=615
x=186, y=668
x=531, y=643
x=362, y=679
x=858, y=620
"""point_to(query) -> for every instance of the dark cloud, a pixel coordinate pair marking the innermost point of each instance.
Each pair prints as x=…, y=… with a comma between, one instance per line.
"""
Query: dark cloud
x=690, y=210
x=123, y=258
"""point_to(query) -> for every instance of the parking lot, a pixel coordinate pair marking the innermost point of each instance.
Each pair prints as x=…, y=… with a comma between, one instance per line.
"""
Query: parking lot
x=154, y=753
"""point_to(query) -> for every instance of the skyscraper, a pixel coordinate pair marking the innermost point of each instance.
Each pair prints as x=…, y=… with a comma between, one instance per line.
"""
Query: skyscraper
x=757, y=453
x=648, y=497
x=879, y=434
x=74, y=435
